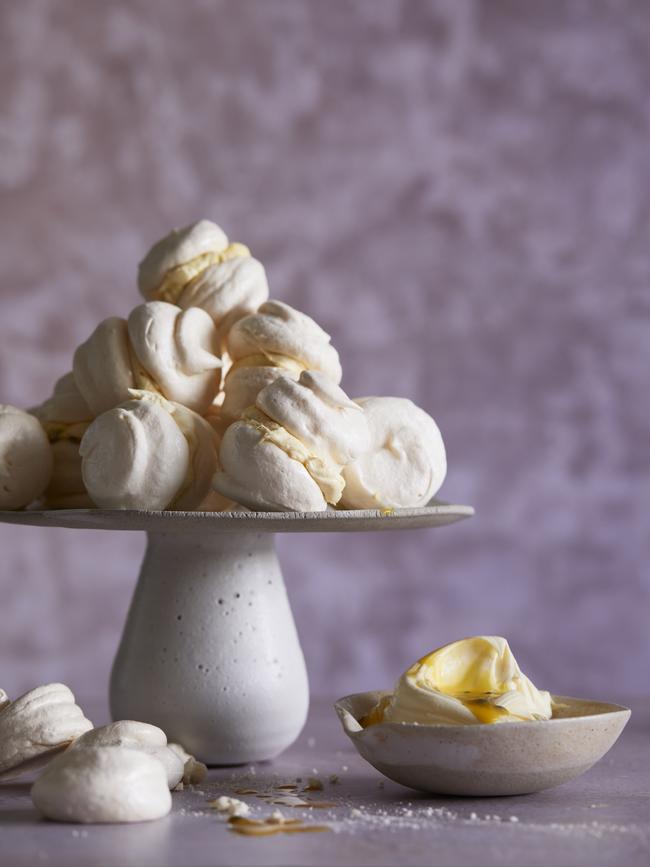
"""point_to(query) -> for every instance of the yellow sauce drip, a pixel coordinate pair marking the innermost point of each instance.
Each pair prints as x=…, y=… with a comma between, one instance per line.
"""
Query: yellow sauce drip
x=269, y=827
x=376, y=714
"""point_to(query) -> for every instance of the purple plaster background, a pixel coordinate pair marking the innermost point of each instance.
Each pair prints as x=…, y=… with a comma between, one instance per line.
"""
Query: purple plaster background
x=459, y=192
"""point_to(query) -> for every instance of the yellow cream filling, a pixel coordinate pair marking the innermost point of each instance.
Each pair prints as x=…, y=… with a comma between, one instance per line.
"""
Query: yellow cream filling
x=142, y=379
x=176, y=279
x=60, y=430
x=268, y=359
x=326, y=474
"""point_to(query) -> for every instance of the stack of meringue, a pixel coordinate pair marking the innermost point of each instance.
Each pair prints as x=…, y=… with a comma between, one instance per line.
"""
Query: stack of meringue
x=209, y=396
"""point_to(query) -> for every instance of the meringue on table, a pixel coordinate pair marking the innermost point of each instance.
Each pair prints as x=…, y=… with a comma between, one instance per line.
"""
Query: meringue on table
x=406, y=463
x=276, y=341
x=36, y=726
x=197, y=266
x=475, y=680
x=25, y=458
x=149, y=453
x=287, y=452
x=137, y=736
x=160, y=348
x=103, y=784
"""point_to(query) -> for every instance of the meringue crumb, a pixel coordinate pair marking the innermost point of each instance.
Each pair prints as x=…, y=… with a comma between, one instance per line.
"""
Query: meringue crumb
x=311, y=742
x=513, y=819
x=230, y=806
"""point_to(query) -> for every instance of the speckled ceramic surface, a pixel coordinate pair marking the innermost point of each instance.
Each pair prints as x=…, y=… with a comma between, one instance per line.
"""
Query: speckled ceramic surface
x=436, y=514
x=486, y=760
x=210, y=651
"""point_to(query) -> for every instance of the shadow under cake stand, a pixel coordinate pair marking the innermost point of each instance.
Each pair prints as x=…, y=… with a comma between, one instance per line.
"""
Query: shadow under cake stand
x=210, y=651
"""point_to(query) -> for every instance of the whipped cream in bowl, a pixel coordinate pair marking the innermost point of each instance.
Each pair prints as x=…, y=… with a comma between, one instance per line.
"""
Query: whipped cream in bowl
x=465, y=720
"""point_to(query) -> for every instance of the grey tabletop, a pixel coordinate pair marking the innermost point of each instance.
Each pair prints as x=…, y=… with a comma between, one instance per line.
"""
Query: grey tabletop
x=601, y=818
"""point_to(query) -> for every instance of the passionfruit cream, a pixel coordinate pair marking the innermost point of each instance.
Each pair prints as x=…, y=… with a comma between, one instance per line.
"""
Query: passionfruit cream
x=475, y=680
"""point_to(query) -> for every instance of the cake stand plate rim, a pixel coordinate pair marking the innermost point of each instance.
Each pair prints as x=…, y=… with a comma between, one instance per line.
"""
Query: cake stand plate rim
x=436, y=514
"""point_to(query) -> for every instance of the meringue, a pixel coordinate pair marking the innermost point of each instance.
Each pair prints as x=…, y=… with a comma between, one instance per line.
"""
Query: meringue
x=287, y=452
x=194, y=771
x=161, y=348
x=25, y=458
x=227, y=290
x=185, y=255
x=279, y=330
x=179, y=350
x=35, y=726
x=318, y=413
x=103, y=784
x=276, y=342
x=263, y=467
x=137, y=736
x=248, y=377
x=66, y=489
x=65, y=416
x=475, y=680
x=149, y=453
x=65, y=407
x=406, y=463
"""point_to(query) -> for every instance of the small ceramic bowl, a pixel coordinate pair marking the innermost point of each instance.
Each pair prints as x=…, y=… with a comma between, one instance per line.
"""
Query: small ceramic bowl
x=486, y=760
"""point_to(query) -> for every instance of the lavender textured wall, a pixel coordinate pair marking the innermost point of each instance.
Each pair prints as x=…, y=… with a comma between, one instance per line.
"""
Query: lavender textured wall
x=459, y=192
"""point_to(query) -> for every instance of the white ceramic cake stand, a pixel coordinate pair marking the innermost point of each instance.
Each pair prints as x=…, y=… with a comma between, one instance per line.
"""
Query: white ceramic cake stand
x=210, y=651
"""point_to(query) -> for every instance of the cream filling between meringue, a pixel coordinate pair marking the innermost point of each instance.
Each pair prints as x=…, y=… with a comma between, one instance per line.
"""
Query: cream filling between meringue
x=268, y=359
x=176, y=279
x=62, y=430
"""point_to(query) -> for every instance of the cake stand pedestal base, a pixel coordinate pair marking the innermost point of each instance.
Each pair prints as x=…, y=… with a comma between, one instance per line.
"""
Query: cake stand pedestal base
x=210, y=651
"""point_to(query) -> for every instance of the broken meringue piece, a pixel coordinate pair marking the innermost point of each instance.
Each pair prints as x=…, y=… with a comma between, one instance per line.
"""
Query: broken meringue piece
x=230, y=806
x=25, y=458
x=103, y=784
x=406, y=462
x=194, y=771
x=35, y=726
x=136, y=736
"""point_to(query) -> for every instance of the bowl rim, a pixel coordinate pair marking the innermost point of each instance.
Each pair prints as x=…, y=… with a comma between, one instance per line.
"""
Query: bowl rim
x=346, y=716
